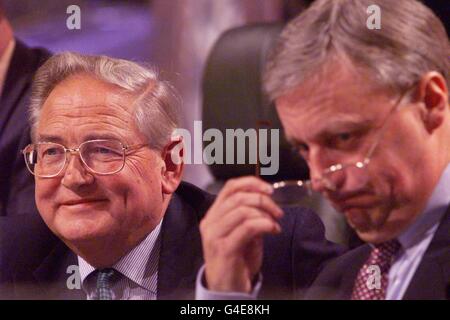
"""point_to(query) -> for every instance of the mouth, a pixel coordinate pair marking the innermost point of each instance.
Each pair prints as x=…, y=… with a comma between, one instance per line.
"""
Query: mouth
x=82, y=202
x=355, y=204
x=354, y=207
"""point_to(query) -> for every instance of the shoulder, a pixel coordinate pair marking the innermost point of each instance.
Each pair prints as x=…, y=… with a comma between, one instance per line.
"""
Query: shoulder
x=24, y=241
x=293, y=258
x=23, y=229
x=192, y=198
x=303, y=222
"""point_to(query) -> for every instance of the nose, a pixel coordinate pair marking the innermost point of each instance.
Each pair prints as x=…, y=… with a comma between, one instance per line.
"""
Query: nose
x=76, y=175
x=316, y=172
x=322, y=179
x=318, y=185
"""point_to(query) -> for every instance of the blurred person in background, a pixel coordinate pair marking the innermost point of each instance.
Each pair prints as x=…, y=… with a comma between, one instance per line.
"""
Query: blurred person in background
x=18, y=63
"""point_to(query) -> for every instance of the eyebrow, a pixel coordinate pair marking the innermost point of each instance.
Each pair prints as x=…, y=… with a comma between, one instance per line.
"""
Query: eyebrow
x=101, y=136
x=91, y=136
x=340, y=125
x=49, y=138
x=344, y=124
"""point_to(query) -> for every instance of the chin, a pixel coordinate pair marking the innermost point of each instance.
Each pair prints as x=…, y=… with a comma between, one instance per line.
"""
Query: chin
x=375, y=236
x=84, y=228
x=371, y=225
x=80, y=233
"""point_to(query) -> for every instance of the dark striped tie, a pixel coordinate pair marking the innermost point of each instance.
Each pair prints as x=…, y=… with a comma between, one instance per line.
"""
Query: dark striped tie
x=104, y=283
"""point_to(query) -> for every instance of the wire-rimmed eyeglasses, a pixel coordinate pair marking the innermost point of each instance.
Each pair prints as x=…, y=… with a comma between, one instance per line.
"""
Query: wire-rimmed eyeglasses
x=102, y=157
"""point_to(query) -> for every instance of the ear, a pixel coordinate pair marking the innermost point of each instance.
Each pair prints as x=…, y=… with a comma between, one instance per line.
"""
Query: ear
x=433, y=93
x=172, y=169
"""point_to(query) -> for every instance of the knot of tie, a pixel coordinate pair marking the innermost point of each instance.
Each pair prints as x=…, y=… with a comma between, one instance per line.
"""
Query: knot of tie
x=105, y=278
x=383, y=254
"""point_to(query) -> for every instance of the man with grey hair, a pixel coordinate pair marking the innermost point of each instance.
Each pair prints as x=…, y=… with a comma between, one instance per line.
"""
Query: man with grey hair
x=369, y=111
x=101, y=155
x=107, y=171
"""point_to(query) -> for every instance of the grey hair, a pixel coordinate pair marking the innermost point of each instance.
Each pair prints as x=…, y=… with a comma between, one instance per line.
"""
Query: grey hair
x=411, y=42
x=157, y=104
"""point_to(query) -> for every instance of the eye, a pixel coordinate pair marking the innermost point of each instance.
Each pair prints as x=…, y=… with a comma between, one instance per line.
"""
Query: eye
x=51, y=151
x=344, y=140
x=345, y=136
x=102, y=150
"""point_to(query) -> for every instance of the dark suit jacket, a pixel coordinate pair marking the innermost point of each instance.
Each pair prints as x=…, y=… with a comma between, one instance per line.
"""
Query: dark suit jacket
x=430, y=281
x=16, y=183
x=34, y=263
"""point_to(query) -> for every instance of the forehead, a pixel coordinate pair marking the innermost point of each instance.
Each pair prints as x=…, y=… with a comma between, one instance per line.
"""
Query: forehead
x=337, y=100
x=89, y=105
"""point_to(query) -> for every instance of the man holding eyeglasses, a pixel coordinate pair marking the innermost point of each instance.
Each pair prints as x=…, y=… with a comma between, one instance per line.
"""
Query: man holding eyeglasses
x=108, y=185
x=369, y=111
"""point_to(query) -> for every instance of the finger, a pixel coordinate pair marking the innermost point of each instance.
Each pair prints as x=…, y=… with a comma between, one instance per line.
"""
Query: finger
x=226, y=225
x=249, y=231
x=248, y=199
x=246, y=184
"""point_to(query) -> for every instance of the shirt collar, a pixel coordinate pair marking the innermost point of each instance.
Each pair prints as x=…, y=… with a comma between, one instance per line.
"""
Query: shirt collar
x=5, y=59
x=140, y=265
x=433, y=213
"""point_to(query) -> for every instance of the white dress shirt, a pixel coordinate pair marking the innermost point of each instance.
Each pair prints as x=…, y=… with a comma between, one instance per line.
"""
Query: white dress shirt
x=416, y=239
x=138, y=270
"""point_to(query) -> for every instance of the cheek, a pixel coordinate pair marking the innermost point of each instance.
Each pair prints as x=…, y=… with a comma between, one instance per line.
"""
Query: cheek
x=406, y=157
x=395, y=181
x=136, y=193
x=400, y=163
x=45, y=195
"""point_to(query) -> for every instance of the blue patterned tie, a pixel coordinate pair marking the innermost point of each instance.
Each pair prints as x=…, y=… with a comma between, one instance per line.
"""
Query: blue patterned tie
x=104, y=282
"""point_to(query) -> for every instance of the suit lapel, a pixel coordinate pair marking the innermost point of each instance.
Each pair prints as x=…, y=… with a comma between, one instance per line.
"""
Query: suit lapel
x=351, y=272
x=432, y=277
x=53, y=274
x=181, y=251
